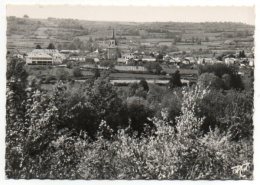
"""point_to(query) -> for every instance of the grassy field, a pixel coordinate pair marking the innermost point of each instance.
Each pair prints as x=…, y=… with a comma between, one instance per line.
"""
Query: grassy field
x=47, y=70
x=185, y=47
x=171, y=69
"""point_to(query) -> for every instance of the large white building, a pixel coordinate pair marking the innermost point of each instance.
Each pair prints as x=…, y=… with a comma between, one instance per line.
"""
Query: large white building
x=44, y=57
x=39, y=59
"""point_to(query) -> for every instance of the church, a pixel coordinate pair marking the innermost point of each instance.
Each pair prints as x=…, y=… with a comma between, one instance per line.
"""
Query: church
x=112, y=50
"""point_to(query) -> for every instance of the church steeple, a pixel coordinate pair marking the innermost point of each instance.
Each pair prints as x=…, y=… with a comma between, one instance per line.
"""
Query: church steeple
x=113, y=34
x=113, y=41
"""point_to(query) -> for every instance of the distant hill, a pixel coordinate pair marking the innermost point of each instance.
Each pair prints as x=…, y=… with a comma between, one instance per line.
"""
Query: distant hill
x=26, y=33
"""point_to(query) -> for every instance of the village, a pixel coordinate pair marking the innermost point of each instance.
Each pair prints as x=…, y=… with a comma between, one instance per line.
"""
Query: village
x=130, y=66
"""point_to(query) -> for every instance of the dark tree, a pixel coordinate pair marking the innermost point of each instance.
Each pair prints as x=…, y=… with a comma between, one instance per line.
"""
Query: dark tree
x=159, y=57
x=132, y=89
x=51, y=46
x=175, y=80
x=143, y=83
x=96, y=72
x=226, y=78
x=138, y=114
x=62, y=74
x=241, y=54
x=38, y=46
x=221, y=69
x=77, y=72
x=154, y=67
x=210, y=80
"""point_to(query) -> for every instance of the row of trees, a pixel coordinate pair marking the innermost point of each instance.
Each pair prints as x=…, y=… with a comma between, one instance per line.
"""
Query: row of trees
x=50, y=46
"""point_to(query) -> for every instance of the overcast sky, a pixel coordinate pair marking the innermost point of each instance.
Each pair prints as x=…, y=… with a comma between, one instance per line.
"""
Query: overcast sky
x=138, y=14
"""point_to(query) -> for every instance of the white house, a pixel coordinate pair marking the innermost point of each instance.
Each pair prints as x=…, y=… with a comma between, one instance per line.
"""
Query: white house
x=165, y=43
x=78, y=58
x=148, y=59
x=191, y=59
x=230, y=61
x=69, y=51
x=175, y=60
x=251, y=62
x=205, y=61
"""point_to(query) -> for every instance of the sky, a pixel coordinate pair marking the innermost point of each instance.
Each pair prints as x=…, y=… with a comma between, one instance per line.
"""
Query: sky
x=244, y=14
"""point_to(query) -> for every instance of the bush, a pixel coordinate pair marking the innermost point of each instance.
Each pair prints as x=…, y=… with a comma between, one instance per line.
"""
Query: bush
x=185, y=154
x=77, y=72
x=230, y=111
x=175, y=80
x=210, y=80
x=221, y=69
x=62, y=74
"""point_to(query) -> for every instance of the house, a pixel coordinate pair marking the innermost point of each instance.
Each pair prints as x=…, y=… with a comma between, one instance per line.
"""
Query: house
x=230, y=61
x=148, y=59
x=122, y=60
x=190, y=59
x=96, y=60
x=137, y=56
x=131, y=68
x=18, y=56
x=205, y=61
x=251, y=62
x=148, y=44
x=165, y=43
x=94, y=54
x=186, y=61
x=57, y=57
x=128, y=56
x=175, y=60
x=166, y=58
x=77, y=58
x=69, y=51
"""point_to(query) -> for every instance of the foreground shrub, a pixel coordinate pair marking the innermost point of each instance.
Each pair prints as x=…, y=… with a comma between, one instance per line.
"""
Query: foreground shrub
x=185, y=154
